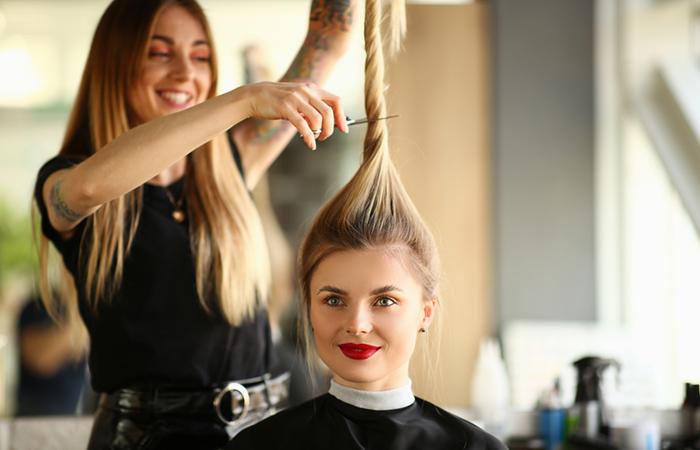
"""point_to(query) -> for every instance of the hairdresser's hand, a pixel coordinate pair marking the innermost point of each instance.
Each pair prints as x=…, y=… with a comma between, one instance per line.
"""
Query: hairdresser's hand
x=304, y=105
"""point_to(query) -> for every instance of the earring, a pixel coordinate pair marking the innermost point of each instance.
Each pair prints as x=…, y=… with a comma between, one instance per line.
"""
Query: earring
x=422, y=330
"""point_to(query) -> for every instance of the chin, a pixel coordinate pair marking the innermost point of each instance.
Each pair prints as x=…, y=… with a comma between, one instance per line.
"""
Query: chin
x=362, y=378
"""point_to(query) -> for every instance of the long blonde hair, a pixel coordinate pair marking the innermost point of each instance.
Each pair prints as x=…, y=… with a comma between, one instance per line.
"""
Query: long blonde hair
x=225, y=231
x=373, y=209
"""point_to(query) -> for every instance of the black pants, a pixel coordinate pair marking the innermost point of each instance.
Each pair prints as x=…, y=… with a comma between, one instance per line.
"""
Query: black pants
x=127, y=430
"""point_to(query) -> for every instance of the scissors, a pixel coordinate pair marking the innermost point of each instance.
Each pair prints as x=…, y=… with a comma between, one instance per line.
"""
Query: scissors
x=350, y=122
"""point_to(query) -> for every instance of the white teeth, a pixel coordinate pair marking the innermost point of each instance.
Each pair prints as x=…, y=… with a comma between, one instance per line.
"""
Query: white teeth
x=179, y=98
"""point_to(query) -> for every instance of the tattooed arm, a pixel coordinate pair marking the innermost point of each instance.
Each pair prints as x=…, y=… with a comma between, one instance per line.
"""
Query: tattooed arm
x=63, y=216
x=330, y=24
x=122, y=165
x=327, y=39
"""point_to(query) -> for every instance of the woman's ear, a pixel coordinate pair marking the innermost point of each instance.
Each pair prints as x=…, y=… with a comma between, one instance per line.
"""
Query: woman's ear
x=429, y=308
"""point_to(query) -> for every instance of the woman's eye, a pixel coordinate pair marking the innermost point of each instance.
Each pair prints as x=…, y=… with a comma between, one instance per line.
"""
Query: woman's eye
x=385, y=301
x=158, y=55
x=200, y=58
x=333, y=301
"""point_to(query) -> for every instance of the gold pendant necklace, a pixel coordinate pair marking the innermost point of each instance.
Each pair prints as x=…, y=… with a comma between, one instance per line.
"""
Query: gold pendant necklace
x=178, y=214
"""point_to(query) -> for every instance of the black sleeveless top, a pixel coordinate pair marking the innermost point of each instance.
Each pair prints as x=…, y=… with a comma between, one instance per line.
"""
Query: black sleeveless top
x=154, y=330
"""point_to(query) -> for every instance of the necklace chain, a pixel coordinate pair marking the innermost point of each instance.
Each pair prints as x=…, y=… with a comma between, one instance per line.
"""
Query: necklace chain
x=178, y=214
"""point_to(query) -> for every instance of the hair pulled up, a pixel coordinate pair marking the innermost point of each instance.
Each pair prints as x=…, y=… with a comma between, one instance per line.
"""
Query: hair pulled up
x=373, y=209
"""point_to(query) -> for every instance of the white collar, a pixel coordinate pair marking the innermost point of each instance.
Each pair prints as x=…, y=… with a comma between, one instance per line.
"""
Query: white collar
x=375, y=400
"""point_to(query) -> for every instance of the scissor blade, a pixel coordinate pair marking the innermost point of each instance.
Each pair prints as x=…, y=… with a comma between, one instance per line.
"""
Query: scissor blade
x=351, y=122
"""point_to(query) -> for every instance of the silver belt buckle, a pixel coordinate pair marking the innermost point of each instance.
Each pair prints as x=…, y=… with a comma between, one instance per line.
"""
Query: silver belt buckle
x=238, y=394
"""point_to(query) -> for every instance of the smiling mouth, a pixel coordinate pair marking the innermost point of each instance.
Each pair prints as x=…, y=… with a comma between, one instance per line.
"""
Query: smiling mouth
x=358, y=351
x=176, y=99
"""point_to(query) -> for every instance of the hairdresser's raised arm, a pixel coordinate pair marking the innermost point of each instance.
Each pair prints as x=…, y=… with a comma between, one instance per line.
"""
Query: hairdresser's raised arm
x=148, y=149
x=327, y=39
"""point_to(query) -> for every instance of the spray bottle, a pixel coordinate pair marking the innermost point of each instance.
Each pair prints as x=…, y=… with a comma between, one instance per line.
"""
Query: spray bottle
x=587, y=419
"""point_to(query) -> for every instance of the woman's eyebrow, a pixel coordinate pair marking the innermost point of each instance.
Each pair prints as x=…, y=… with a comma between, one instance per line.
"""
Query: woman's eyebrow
x=332, y=289
x=383, y=289
x=170, y=41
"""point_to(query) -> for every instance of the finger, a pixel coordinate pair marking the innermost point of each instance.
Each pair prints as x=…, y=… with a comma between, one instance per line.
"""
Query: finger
x=312, y=116
x=309, y=93
x=302, y=126
x=336, y=105
x=327, y=115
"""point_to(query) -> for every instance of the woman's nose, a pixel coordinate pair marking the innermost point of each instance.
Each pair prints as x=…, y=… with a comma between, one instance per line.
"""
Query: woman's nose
x=358, y=322
x=183, y=68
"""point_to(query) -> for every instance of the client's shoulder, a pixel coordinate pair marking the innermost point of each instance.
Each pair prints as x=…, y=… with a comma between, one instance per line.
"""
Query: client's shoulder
x=469, y=435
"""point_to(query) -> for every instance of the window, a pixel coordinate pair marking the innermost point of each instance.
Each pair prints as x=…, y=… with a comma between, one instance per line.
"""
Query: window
x=659, y=182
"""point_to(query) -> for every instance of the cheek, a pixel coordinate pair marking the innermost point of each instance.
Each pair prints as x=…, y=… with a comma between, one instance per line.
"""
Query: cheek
x=140, y=91
x=137, y=102
x=204, y=81
x=400, y=331
x=323, y=327
x=404, y=345
x=148, y=76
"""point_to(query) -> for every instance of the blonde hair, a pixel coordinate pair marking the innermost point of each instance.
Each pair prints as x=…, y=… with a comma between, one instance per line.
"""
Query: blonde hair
x=373, y=209
x=226, y=236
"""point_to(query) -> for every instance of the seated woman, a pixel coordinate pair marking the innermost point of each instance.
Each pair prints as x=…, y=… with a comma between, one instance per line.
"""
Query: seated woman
x=368, y=276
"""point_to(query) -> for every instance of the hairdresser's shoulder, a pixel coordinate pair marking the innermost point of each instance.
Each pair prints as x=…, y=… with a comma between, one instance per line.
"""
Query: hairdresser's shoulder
x=468, y=435
x=59, y=162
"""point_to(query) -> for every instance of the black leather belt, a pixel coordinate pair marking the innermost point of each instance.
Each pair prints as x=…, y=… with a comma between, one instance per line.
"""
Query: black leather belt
x=230, y=402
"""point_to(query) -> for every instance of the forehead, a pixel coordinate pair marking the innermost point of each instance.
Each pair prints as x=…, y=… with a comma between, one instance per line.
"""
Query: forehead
x=178, y=24
x=361, y=271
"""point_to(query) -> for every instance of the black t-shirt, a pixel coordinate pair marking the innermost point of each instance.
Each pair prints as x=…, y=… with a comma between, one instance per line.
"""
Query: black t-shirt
x=154, y=330
x=327, y=422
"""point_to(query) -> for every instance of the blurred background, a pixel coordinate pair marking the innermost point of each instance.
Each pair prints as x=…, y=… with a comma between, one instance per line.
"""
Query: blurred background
x=553, y=147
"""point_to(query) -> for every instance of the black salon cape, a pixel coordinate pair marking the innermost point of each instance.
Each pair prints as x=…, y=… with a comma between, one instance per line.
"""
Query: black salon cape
x=326, y=423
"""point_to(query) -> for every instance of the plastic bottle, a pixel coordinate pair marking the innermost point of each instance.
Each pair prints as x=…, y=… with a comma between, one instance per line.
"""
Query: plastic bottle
x=551, y=416
x=689, y=410
x=490, y=389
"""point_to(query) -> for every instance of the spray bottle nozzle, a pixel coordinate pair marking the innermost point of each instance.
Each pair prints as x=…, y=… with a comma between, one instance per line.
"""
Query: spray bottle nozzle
x=590, y=373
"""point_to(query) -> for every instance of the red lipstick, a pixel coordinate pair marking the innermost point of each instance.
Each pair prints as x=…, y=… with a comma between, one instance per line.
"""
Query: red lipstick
x=358, y=351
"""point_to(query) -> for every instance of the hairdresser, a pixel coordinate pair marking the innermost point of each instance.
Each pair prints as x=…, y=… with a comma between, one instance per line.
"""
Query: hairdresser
x=160, y=250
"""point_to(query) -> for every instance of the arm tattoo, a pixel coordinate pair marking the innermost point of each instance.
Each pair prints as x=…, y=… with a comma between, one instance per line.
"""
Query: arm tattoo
x=266, y=130
x=326, y=20
x=308, y=60
x=331, y=14
x=59, y=204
